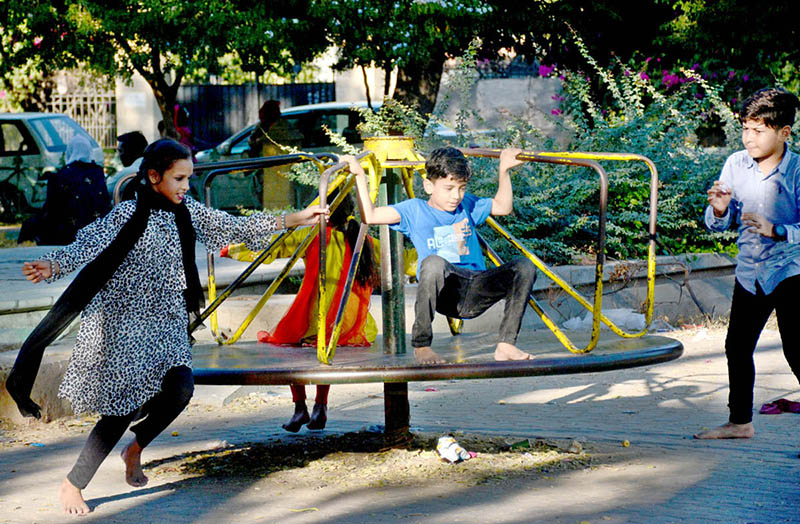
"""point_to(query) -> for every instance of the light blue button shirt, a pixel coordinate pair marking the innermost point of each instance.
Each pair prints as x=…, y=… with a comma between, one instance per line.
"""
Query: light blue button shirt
x=775, y=196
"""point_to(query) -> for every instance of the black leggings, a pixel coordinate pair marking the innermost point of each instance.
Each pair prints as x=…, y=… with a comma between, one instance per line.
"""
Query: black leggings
x=176, y=391
x=749, y=314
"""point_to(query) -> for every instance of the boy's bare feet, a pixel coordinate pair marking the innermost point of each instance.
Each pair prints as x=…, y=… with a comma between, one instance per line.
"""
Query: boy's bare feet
x=729, y=430
x=506, y=351
x=132, y=457
x=425, y=355
x=71, y=499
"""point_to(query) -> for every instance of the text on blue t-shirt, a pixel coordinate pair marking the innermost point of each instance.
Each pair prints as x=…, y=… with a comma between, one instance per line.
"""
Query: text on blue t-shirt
x=451, y=235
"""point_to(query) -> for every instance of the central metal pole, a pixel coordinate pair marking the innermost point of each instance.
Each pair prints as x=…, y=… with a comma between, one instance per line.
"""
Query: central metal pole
x=396, y=407
x=392, y=283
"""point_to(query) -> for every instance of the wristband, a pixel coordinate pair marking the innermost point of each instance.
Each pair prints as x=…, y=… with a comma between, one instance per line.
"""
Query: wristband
x=779, y=233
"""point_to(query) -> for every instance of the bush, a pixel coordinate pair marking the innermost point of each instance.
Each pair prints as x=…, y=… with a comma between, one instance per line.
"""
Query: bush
x=556, y=207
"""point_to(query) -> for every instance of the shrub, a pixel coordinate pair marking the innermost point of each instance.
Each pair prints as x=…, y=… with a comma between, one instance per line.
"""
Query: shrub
x=556, y=207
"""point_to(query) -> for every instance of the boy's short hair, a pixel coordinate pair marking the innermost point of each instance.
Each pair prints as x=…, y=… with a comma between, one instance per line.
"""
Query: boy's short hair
x=447, y=161
x=774, y=106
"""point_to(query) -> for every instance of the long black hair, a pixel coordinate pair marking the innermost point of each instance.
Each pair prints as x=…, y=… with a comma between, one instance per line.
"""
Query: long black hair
x=342, y=219
x=158, y=156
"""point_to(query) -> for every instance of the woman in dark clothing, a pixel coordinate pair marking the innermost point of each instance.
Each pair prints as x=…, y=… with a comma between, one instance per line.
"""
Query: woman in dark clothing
x=76, y=196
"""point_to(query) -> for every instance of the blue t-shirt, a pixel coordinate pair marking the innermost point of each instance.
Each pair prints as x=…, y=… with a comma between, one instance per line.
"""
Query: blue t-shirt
x=451, y=235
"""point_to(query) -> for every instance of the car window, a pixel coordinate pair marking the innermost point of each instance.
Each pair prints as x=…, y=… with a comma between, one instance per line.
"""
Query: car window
x=342, y=121
x=57, y=131
x=15, y=140
x=241, y=146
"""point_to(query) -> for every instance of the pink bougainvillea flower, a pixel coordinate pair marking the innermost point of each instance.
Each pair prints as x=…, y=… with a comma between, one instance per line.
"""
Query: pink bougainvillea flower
x=731, y=74
x=2, y=94
x=37, y=41
x=644, y=76
x=555, y=112
x=545, y=70
x=745, y=78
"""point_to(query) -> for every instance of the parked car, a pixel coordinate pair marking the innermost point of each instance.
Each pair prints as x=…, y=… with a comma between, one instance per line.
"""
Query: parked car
x=306, y=124
x=32, y=146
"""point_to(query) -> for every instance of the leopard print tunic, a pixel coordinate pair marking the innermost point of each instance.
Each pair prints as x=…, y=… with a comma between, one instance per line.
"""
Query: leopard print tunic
x=134, y=330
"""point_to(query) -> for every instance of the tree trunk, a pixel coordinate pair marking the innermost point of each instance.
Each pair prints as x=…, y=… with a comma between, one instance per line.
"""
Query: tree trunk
x=166, y=97
x=166, y=103
x=418, y=84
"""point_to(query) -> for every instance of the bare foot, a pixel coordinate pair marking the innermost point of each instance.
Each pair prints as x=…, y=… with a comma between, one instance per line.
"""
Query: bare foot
x=425, y=355
x=729, y=430
x=132, y=457
x=506, y=351
x=71, y=499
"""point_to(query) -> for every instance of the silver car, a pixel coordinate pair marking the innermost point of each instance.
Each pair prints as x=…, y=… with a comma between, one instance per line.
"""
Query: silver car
x=32, y=145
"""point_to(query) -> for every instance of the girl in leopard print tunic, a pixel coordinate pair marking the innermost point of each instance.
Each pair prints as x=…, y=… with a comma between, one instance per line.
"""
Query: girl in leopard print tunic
x=132, y=358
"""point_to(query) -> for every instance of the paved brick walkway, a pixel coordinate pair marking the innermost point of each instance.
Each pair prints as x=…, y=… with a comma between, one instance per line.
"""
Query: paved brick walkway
x=664, y=476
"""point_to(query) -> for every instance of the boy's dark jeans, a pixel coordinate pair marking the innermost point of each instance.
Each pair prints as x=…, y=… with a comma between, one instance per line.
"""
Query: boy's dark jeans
x=463, y=293
x=749, y=314
x=176, y=391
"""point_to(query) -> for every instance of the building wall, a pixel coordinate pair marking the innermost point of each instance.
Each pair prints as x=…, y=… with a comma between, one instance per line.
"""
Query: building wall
x=137, y=109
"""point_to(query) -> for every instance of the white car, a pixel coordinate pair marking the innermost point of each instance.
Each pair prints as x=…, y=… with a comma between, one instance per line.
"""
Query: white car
x=32, y=145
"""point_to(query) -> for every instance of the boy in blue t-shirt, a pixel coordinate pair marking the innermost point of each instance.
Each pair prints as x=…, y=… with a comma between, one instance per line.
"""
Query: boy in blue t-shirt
x=453, y=278
x=759, y=191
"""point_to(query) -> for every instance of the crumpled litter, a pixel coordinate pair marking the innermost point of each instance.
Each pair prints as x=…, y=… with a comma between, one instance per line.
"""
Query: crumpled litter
x=451, y=451
x=623, y=318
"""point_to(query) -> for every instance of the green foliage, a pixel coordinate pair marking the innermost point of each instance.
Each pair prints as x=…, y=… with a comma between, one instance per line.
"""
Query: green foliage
x=556, y=206
x=392, y=118
x=736, y=43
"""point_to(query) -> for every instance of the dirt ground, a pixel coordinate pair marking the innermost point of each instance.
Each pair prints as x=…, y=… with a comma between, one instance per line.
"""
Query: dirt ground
x=351, y=460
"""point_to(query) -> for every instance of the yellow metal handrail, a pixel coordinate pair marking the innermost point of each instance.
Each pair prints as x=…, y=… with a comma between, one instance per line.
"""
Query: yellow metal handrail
x=411, y=163
x=326, y=349
x=298, y=253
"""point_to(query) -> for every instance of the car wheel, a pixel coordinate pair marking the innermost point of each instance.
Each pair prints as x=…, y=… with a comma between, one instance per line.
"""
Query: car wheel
x=12, y=203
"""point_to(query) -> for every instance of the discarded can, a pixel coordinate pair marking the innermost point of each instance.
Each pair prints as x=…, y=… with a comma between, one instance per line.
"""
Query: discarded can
x=450, y=450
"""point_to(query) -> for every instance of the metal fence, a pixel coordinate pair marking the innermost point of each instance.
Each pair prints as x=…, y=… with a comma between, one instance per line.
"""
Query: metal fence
x=96, y=112
x=218, y=111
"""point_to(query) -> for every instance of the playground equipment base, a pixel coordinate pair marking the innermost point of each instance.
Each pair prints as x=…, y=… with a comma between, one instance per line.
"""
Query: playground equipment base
x=468, y=356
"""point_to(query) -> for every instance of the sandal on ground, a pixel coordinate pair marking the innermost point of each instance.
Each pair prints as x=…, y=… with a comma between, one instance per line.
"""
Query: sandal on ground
x=770, y=408
x=787, y=406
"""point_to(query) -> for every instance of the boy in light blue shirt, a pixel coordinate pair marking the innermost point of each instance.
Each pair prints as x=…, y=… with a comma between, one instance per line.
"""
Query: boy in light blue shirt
x=453, y=278
x=759, y=192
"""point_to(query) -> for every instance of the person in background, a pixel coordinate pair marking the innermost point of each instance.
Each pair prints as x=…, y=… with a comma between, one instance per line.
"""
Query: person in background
x=130, y=150
x=131, y=147
x=272, y=137
x=185, y=135
x=76, y=197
